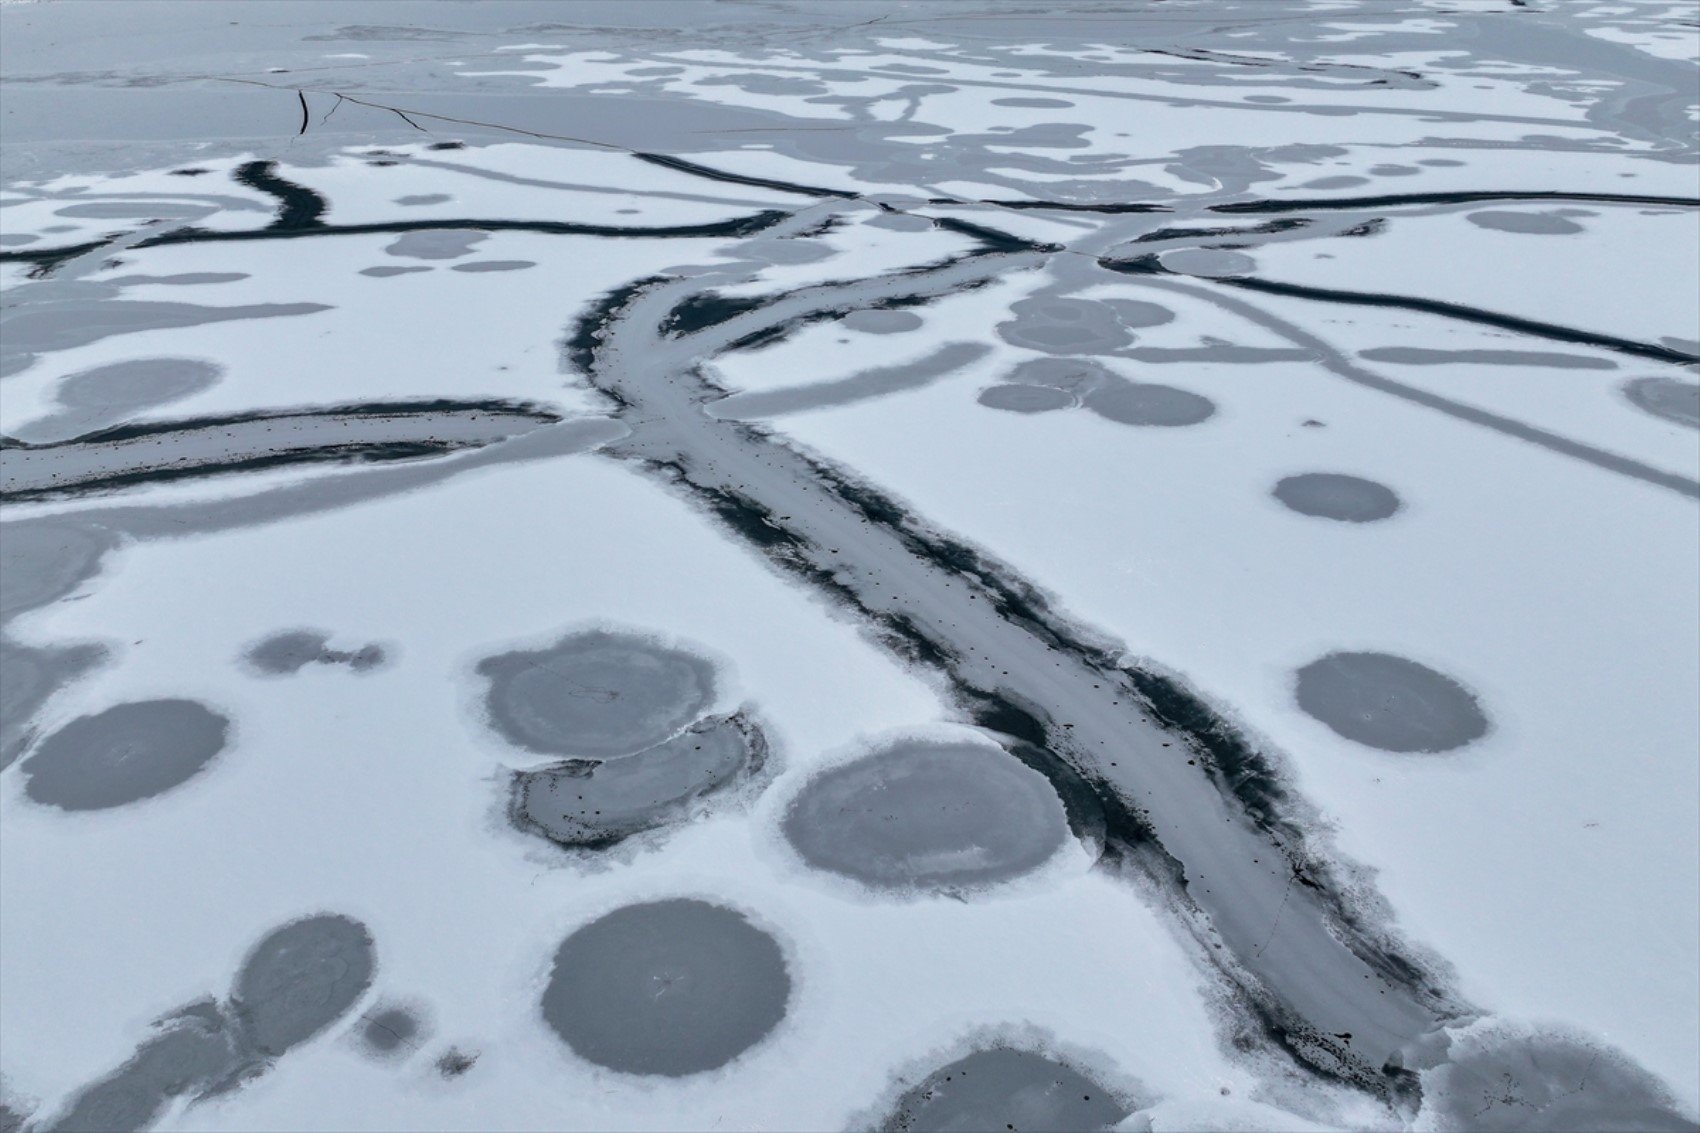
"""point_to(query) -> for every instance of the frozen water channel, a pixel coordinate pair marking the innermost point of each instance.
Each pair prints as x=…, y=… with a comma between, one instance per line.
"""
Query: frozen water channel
x=849, y=564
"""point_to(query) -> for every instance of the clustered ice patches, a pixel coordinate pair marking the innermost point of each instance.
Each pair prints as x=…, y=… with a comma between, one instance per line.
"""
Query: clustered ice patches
x=682, y=986
x=296, y=982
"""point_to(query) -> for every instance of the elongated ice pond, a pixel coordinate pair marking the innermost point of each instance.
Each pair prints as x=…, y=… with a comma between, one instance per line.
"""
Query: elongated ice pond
x=849, y=564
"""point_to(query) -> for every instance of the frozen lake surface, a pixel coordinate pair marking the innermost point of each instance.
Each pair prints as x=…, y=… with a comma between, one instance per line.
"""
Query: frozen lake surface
x=849, y=564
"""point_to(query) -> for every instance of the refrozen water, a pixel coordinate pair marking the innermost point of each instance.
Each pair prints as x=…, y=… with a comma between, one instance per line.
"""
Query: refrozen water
x=671, y=987
x=106, y=395
x=183, y=1059
x=1025, y=399
x=585, y=803
x=1335, y=495
x=302, y=978
x=390, y=1031
x=28, y=677
x=1528, y=223
x=1001, y=1089
x=41, y=560
x=124, y=754
x=1147, y=403
x=1670, y=398
x=291, y=651
x=1502, y=1081
x=916, y=815
x=597, y=695
x=1389, y=702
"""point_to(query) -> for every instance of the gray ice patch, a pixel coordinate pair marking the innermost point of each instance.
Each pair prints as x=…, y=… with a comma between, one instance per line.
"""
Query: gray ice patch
x=390, y=1031
x=672, y=987
x=1075, y=375
x=107, y=395
x=1545, y=1084
x=1065, y=326
x=28, y=677
x=436, y=244
x=300, y=979
x=1531, y=223
x=1422, y=356
x=1138, y=314
x=1670, y=398
x=845, y=391
x=1390, y=170
x=1208, y=263
x=1003, y=1089
x=423, y=199
x=875, y=321
x=494, y=265
x=1034, y=103
x=40, y=328
x=135, y=210
x=289, y=652
x=45, y=559
x=585, y=803
x=595, y=695
x=187, y=1057
x=899, y=222
x=385, y=271
x=1334, y=495
x=177, y=279
x=920, y=815
x=1389, y=702
x=1341, y=181
x=17, y=239
x=1146, y=403
x=1025, y=398
x=125, y=754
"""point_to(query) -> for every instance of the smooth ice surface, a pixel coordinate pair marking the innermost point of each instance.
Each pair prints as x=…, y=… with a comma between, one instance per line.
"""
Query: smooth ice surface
x=1529, y=223
x=1670, y=398
x=106, y=395
x=390, y=1030
x=291, y=651
x=882, y=322
x=597, y=695
x=1014, y=398
x=125, y=754
x=927, y=815
x=182, y=1059
x=1004, y=1088
x=43, y=560
x=1497, y=1080
x=1389, y=702
x=582, y=803
x=1335, y=495
x=671, y=987
x=301, y=978
x=28, y=677
x=1147, y=403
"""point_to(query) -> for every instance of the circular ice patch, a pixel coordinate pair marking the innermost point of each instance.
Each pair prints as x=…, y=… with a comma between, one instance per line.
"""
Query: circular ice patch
x=1005, y=1089
x=927, y=815
x=1334, y=495
x=387, y=1031
x=671, y=987
x=122, y=755
x=582, y=803
x=598, y=695
x=1024, y=398
x=1064, y=326
x=1389, y=702
x=1669, y=398
x=1208, y=263
x=1076, y=375
x=42, y=560
x=302, y=978
x=1146, y=403
x=1545, y=1084
x=1531, y=223
x=875, y=321
x=137, y=383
